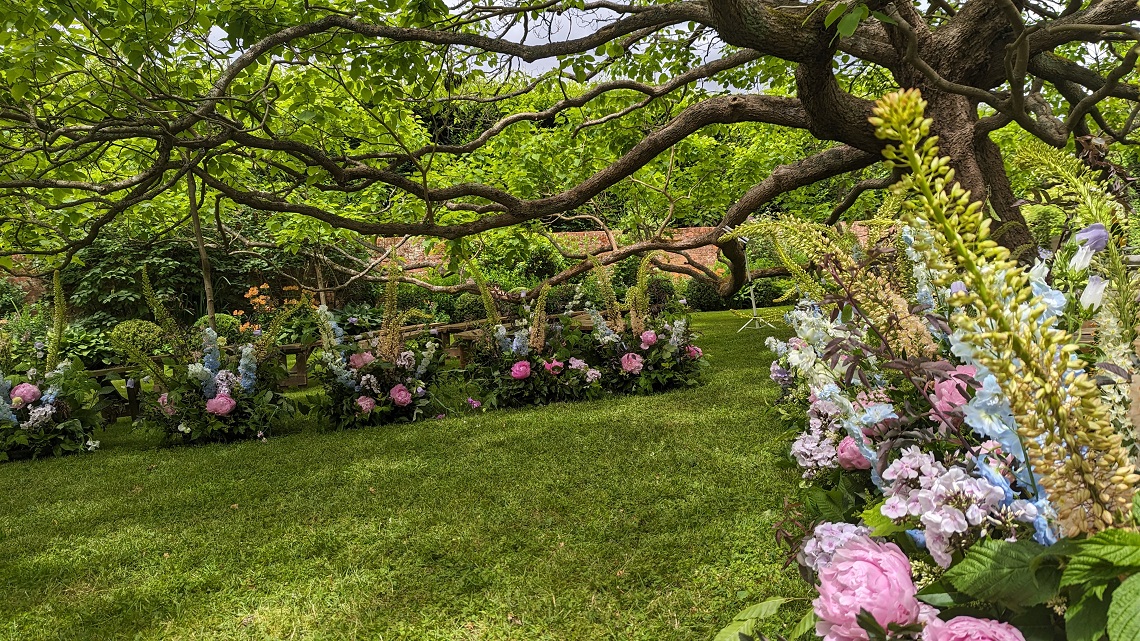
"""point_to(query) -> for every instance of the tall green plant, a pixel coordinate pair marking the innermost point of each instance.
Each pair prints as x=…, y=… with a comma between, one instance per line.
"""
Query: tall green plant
x=58, y=322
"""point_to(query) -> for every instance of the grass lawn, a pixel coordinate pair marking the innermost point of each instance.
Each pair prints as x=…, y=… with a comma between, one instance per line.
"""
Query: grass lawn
x=629, y=518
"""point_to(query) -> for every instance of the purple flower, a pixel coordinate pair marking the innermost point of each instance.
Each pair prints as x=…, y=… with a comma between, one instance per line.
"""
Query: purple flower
x=577, y=363
x=958, y=287
x=473, y=403
x=592, y=375
x=353, y=320
x=1095, y=237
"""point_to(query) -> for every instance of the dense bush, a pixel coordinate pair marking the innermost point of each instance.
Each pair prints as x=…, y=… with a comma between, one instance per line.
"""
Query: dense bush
x=703, y=297
x=48, y=413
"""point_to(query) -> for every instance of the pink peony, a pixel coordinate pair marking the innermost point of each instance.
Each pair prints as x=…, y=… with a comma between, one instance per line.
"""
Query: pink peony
x=632, y=363
x=366, y=403
x=166, y=405
x=221, y=405
x=949, y=393
x=864, y=575
x=520, y=370
x=693, y=352
x=648, y=339
x=554, y=367
x=24, y=394
x=971, y=629
x=357, y=361
x=850, y=458
x=400, y=395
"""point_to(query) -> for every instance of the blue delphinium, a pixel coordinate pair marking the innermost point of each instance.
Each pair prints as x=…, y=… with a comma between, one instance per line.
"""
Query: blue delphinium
x=211, y=355
x=247, y=368
x=520, y=346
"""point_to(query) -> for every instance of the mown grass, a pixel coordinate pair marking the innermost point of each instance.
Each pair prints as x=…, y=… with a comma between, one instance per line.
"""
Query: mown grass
x=629, y=518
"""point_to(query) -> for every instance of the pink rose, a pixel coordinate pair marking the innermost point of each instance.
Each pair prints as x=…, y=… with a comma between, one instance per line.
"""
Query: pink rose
x=400, y=395
x=850, y=458
x=632, y=363
x=949, y=393
x=648, y=339
x=24, y=394
x=520, y=370
x=553, y=367
x=693, y=352
x=221, y=405
x=864, y=575
x=166, y=405
x=971, y=629
x=357, y=361
x=366, y=404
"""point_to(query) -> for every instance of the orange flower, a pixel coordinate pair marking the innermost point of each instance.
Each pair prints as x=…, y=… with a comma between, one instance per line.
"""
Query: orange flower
x=239, y=312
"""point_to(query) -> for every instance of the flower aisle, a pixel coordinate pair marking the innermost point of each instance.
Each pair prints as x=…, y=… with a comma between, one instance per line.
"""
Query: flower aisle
x=971, y=460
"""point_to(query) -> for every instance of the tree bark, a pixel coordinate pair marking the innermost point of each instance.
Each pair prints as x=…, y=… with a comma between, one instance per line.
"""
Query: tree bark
x=207, y=275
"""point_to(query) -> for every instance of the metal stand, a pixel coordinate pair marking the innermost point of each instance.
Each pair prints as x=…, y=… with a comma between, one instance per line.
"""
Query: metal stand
x=756, y=321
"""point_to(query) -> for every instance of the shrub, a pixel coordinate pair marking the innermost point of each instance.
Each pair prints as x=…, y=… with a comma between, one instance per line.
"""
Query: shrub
x=703, y=297
x=49, y=416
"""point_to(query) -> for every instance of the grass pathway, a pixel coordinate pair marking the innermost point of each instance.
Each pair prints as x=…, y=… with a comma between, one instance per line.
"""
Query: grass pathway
x=630, y=518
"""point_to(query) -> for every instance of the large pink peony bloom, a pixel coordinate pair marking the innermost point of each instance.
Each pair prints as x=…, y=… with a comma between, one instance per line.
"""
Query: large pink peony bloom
x=632, y=363
x=366, y=404
x=850, y=458
x=971, y=629
x=554, y=366
x=24, y=394
x=357, y=361
x=949, y=393
x=520, y=370
x=400, y=395
x=166, y=405
x=648, y=339
x=221, y=405
x=864, y=575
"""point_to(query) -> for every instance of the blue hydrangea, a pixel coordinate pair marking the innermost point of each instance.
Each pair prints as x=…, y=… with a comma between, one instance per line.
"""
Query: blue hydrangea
x=211, y=355
x=989, y=414
x=247, y=368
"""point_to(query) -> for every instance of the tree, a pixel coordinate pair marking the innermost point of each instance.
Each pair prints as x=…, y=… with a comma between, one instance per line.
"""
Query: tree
x=396, y=118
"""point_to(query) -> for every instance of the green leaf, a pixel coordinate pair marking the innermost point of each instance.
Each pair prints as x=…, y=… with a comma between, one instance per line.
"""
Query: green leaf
x=884, y=18
x=941, y=595
x=1003, y=572
x=1086, y=617
x=1103, y=558
x=762, y=610
x=834, y=14
x=806, y=625
x=879, y=524
x=850, y=22
x=1124, y=612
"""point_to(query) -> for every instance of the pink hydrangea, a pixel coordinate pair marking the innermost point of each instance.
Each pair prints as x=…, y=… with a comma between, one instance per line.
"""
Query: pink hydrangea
x=648, y=339
x=357, y=361
x=520, y=370
x=366, y=404
x=971, y=629
x=221, y=405
x=949, y=393
x=24, y=394
x=400, y=395
x=864, y=575
x=554, y=366
x=632, y=363
x=850, y=458
x=577, y=363
x=693, y=352
x=166, y=405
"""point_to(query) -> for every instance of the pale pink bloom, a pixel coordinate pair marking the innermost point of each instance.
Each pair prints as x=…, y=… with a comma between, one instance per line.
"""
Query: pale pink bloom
x=400, y=395
x=366, y=403
x=965, y=628
x=166, y=405
x=950, y=392
x=554, y=366
x=221, y=405
x=577, y=363
x=850, y=458
x=864, y=575
x=357, y=361
x=648, y=339
x=520, y=370
x=632, y=363
x=24, y=394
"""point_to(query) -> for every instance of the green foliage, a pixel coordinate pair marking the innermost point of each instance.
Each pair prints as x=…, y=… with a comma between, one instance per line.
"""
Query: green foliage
x=1012, y=574
x=58, y=322
x=1124, y=613
x=61, y=420
x=138, y=340
x=227, y=326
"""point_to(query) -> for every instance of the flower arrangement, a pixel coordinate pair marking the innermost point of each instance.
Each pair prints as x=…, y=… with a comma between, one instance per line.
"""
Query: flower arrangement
x=386, y=380
x=544, y=359
x=54, y=413
x=214, y=392
x=972, y=463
